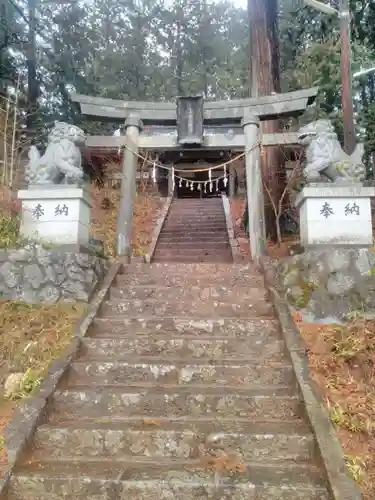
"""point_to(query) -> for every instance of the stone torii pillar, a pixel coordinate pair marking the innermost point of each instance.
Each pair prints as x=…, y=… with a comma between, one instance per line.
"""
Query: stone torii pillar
x=133, y=126
x=255, y=200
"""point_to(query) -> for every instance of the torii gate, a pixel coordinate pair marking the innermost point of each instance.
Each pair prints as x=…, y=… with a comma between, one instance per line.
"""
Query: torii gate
x=194, y=125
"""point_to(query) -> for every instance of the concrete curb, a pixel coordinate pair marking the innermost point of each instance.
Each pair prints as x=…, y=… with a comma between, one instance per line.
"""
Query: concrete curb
x=19, y=432
x=235, y=247
x=157, y=230
x=341, y=485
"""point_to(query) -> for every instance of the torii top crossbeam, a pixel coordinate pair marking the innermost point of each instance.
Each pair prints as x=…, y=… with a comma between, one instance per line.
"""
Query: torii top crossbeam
x=220, y=120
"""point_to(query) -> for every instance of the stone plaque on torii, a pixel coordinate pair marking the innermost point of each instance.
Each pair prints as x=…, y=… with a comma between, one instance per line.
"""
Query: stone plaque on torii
x=233, y=125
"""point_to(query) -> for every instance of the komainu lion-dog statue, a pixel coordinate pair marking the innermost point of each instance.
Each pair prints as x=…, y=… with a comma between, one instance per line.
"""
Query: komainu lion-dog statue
x=325, y=158
x=62, y=160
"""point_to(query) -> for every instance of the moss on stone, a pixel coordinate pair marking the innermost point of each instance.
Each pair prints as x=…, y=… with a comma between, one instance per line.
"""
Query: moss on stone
x=298, y=282
x=357, y=300
x=340, y=167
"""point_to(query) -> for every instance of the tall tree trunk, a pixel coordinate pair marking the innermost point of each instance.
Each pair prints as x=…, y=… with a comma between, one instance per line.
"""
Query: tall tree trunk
x=179, y=42
x=32, y=82
x=4, y=39
x=364, y=99
x=179, y=63
x=265, y=79
x=206, y=69
x=371, y=87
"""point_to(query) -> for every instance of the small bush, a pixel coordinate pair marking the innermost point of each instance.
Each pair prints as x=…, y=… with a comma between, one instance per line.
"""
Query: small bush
x=9, y=231
x=10, y=217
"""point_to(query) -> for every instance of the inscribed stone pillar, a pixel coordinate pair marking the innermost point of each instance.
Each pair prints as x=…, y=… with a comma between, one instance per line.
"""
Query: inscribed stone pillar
x=133, y=127
x=254, y=185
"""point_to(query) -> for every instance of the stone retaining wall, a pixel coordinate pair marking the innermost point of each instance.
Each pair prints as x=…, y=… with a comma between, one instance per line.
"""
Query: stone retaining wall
x=330, y=285
x=34, y=274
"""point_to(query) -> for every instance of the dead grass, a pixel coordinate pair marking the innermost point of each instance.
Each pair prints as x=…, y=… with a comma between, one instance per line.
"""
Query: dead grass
x=9, y=220
x=342, y=364
x=237, y=207
x=31, y=336
x=104, y=219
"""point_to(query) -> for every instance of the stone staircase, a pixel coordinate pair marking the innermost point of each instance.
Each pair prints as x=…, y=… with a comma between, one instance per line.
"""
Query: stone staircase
x=194, y=231
x=182, y=390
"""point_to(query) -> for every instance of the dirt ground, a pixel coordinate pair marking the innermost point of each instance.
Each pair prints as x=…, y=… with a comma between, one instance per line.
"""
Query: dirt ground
x=342, y=364
x=275, y=251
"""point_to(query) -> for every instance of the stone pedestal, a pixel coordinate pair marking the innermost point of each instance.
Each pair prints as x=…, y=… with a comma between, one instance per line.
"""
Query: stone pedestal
x=57, y=214
x=335, y=215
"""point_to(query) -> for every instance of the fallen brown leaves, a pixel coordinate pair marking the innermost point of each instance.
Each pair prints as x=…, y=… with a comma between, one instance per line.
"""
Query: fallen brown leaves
x=104, y=219
x=224, y=463
x=274, y=250
x=342, y=364
x=151, y=422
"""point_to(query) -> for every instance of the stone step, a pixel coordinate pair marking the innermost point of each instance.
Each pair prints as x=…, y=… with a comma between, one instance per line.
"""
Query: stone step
x=189, y=220
x=186, y=259
x=188, y=238
x=204, y=201
x=176, y=440
x=197, y=216
x=196, y=245
x=196, y=208
x=223, y=293
x=212, y=215
x=162, y=269
x=180, y=347
x=175, y=227
x=194, y=217
x=150, y=279
x=195, y=204
x=188, y=278
x=196, y=222
x=189, y=327
x=192, y=251
x=175, y=402
x=161, y=371
x=196, y=211
x=94, y=479
x=189, y=233
x=196, y=308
